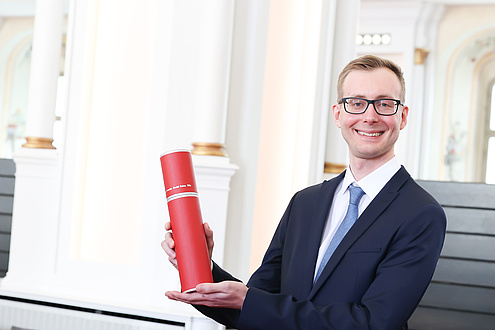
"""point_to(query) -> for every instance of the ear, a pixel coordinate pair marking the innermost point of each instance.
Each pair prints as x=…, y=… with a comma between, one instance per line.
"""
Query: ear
x=404, y=114
x=336, y=115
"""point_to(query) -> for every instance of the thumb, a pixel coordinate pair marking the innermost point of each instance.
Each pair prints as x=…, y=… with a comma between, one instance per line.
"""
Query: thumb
x=203, y=288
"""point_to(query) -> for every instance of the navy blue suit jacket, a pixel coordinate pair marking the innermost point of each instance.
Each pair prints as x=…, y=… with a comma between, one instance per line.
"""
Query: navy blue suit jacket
x=375, y=278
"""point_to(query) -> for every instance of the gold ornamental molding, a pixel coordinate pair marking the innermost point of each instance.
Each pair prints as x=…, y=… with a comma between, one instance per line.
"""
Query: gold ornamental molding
x=208, y=149
x=38, y=143
x=420, y=55
x=334, y=168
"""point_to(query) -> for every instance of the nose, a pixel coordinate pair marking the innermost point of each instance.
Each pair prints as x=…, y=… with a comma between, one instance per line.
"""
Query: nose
x=370, y=115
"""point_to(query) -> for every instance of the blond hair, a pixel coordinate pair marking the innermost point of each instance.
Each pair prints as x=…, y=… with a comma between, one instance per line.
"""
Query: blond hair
x=369, y=63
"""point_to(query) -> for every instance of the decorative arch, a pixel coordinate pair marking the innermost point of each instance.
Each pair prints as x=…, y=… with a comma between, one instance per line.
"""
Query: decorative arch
x=15, y=60
x=485, y=77
x=466, y=66
x=486, y=130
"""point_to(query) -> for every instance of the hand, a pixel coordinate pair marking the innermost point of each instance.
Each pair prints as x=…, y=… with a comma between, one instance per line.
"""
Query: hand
x=168, y=244
x=228, y=294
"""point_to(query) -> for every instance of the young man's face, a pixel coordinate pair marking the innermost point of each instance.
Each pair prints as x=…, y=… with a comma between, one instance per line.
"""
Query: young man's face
x=369, y=135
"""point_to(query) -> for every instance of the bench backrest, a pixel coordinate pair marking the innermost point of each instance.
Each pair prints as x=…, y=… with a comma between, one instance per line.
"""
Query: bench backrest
x=462, y=292
x=7, y=170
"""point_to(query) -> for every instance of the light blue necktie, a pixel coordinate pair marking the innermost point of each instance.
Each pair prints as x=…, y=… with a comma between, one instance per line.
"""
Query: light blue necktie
x=350, y=218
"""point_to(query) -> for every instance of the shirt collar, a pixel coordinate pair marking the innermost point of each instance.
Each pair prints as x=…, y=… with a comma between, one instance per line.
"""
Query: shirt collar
x=375, y=181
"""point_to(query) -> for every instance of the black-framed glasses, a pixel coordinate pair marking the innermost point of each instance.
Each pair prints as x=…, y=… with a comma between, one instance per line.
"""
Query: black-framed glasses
x=357, y=105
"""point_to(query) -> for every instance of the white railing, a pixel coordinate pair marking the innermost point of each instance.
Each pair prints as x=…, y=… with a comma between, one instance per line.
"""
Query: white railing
x=26, y=315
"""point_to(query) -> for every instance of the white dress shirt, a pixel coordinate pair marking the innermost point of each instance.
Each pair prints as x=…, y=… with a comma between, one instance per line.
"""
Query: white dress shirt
x=371, y=185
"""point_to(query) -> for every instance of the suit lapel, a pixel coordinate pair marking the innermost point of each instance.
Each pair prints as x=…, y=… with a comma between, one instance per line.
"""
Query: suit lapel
x=317, y=226
x=389, y=192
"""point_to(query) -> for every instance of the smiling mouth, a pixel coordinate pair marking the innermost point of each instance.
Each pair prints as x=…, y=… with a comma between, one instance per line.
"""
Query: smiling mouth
x=369, y=134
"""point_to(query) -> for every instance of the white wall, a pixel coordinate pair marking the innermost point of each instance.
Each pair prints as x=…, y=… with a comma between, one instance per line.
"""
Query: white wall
x=243, y=127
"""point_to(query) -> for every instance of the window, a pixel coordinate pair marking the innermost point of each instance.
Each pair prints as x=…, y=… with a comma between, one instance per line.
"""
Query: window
x=490, y=152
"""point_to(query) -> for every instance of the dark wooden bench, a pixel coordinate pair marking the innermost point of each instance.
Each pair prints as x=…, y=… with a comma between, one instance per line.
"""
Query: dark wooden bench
x=7, y=170
x=462, y=292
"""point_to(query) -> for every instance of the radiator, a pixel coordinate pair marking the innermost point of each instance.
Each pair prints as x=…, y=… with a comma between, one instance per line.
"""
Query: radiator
x=25, y=315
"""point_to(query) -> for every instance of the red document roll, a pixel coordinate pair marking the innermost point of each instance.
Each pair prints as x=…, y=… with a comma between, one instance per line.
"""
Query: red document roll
x=193, y=260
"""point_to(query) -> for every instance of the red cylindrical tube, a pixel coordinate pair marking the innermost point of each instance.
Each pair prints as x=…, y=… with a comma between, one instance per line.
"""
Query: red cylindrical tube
x=193, y=260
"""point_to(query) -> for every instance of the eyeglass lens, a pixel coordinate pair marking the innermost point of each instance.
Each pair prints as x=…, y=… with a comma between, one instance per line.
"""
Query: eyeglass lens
x=382, y=106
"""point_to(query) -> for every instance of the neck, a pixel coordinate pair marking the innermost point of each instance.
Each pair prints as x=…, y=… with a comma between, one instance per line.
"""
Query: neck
x=362, y=167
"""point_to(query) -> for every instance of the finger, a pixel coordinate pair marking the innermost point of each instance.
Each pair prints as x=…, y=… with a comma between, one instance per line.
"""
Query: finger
x=168, y=250
x=175, y=295
x=169, y=239
x=168, y=245
x=208, y=231
x=172, y=256
x=173, y=261
x=206, y=288
x=209, y=238
x=211, y=288
x=189, y=298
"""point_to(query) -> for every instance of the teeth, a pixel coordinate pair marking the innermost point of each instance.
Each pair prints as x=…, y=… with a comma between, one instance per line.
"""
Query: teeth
x=369, y=134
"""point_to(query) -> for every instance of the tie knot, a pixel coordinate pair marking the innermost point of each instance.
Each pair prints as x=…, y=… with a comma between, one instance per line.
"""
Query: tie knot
x=355, y=194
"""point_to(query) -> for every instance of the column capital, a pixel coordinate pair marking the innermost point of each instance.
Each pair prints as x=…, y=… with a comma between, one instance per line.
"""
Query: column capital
x=334, y=168
x=420, y=55
x=39, y=143
x=208, y=149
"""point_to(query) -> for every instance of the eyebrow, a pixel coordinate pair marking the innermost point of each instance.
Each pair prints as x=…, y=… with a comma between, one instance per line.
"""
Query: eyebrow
x=381, y=96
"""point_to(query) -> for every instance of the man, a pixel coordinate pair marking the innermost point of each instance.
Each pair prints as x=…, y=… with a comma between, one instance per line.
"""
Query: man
x=375, y=276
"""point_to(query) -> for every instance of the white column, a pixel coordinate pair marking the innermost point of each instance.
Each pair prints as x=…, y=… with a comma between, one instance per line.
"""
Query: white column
x=346, y=22
x=423, y=87
x=33, y=245
x=212, y=82
x=213, y=176
x=45, y=66
x=289, y=112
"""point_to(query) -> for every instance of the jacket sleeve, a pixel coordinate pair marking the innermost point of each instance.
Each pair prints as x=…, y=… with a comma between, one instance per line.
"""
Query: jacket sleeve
x=400, y=281
x=225, y=316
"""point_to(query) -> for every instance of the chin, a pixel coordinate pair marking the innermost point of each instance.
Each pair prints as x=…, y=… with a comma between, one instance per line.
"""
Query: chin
x=371, y=154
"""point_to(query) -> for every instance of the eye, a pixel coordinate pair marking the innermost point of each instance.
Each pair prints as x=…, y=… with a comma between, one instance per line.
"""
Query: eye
x=356, y=103
x=385, y=103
